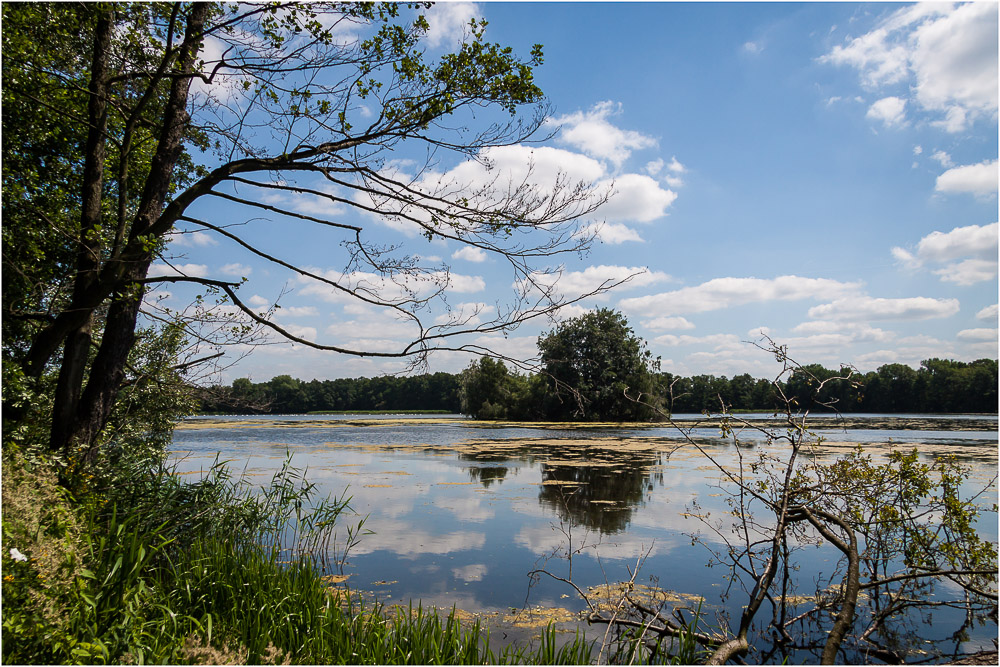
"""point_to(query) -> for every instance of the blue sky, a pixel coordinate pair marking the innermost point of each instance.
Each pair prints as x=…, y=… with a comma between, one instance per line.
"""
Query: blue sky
x=826, y=173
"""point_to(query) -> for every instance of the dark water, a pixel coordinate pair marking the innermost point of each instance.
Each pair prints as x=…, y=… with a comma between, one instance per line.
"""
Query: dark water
x=461, y=514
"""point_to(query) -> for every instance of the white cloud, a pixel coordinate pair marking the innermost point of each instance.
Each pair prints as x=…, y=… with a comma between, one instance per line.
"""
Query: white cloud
x=946, y=53
x=753, y=48
x=987, y=313
x=470, y=254
x=866, y=308
x=978, y=334
x=943, y=159
x=164, y=270
x=306, y=333
x=403, y=288
x=257, y=301
x=448, y=22
x=855, y=331
x=486, y=182
x=296, y=311
x=717, y=341
x=192, y=239
x=977, y=243
x=977, y=179
x=969, y=241
x=668, y=324
x=592, y=133
x=728, y=292
x=575, y=283
x=463, y=284
x=636, y=198
x=969, y=271
x=654, y=167
x=955, y=59
x=465, y=314
x=612, y=232
x=890, y=110
x=235, y=270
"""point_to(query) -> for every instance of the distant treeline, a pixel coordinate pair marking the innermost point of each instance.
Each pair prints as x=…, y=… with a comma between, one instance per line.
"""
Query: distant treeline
x=939, y=385
x=286, y=395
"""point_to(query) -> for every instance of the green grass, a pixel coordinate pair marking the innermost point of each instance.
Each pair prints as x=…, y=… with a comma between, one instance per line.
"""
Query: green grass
x=165, y=571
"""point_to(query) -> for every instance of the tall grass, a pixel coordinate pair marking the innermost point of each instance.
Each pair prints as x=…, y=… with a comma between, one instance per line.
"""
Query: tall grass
x=215, y=571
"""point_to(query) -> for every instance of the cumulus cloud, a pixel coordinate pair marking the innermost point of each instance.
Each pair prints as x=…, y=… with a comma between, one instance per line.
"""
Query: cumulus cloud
x=448, y=22
x=465, y=314
x=575, y=283
x=975, y=245
x=728, y=292
x=945, y=53
x=668, y=324
x=716, y=341
x=861, y=308
x=968, y=272
x=978, y=179
x=987, y=313
x=191, y=239
x=943, y=159
x=890, y=110
x=296, y=311
x=977, y=334
x=592, y=132
x=305, y=333
x=470, y=254
x=636, y=198
x=485, y=181
x=398, y=290
x=164, y=270
x=855, y=331
x=611, y=232
x=235, y=270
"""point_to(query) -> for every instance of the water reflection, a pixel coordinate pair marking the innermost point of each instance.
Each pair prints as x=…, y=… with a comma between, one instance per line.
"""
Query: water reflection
x=460, y=515
x=488, y=475
x=602, y=497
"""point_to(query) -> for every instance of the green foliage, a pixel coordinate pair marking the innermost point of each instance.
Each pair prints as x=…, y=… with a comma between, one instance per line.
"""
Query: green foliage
x=911, y=515
x=490, y=391
x=286, y=395
x=597, y=369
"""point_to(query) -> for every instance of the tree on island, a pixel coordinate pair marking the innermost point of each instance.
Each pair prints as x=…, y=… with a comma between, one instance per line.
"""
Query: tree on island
x=119, y=118
x=596, y=369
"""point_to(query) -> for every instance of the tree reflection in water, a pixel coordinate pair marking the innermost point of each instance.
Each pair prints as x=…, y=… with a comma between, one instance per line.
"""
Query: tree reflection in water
x=488, y=475
x=600, y=497
x=598, y=488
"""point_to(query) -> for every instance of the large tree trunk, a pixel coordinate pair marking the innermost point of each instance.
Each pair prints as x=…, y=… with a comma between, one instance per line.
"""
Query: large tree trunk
x=91, y=411
x=76, y=349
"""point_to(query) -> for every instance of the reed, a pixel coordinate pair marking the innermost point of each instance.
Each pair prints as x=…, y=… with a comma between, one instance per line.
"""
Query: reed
x=216, y=571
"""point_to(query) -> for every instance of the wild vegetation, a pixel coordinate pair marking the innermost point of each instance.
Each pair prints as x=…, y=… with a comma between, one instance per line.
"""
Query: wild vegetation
x=107, y=556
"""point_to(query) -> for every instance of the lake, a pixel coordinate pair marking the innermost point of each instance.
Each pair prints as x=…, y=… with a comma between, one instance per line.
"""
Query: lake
x=462, y=511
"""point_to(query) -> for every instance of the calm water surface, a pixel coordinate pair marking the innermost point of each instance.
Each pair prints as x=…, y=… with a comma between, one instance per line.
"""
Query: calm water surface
x=460, y=513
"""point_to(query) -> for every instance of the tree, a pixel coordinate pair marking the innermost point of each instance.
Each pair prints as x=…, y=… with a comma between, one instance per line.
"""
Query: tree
x=598, y=369
x=120, y=118
x=490, y=391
